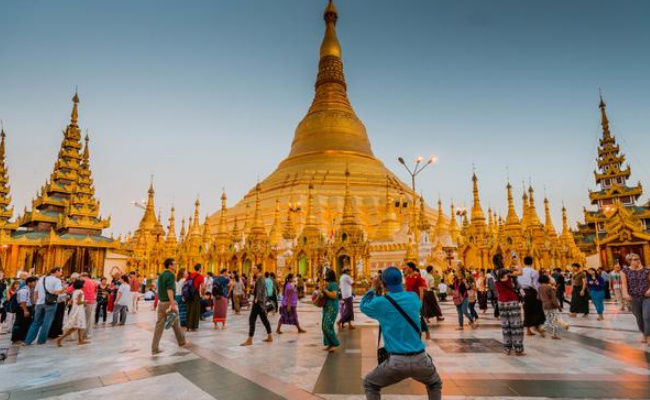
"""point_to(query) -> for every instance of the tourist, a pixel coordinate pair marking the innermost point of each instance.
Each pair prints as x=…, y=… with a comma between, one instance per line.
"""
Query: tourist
x=122, y=302
x=76, y=317
x=330, y=290
x=167, y=304
x=207, y=307
x=605, y=275
x=397, y=313
x=636, y=290
x=492, y=291
x=237, y=293
x=550, y=304
x=430, y=307
x=56, y=329
x=616, y=288
x=289, y=308
x=90, y=296
x=193, y=290
x=442, y=291
x=416, y=284
x=103, y=292
x=461, y=287
x=512, y=327
x=481, y=291
x=301, y=287
x=533, y=311
x=258, y=309
x=346, y=284
x=134, y=284
x=560, y=287
x=24, y=311
x=46, y=294
x=182, y=305
x=579, y=294
x=221, y=289
x=596, y=285
x=11, y=307
x=270, y=290
x=209, y=282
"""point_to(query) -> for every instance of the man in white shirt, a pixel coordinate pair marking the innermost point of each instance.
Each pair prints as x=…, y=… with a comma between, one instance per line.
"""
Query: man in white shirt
x=528, y=281
x=347, y=305
x=46, y=295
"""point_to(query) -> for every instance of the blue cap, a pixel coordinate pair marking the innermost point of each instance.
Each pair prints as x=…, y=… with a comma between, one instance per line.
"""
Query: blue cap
x=392, y=278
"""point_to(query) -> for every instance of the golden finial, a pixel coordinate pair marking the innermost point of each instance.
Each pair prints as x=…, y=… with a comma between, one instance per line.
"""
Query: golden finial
x=330, y=45
x=75, y=113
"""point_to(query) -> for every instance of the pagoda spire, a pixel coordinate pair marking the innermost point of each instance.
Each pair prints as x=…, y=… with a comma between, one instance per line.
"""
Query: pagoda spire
x=454, y=229
x=195, y=228
x=525, y=214
x=534, y=218
x=172, y=240
x=236, y=234
x=258, y=222
x=183, y=233
x=548, y=222
x=478, y=217
x=6, y=211
x=512, y=218
x=440, y=223
x=390, y=223
x=604, y=122
x=289, y=230
x=223, y=229
x=74, y=117
x=423, y=224
x=275, y=235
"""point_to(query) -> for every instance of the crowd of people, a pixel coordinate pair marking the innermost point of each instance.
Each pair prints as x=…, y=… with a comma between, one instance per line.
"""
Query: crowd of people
x=527, y=301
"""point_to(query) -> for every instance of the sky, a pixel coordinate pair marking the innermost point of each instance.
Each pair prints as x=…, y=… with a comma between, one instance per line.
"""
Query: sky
x=207, y=94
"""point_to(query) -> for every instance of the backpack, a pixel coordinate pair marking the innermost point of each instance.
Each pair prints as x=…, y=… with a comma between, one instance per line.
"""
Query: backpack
x=12, y=304
x=188, y=291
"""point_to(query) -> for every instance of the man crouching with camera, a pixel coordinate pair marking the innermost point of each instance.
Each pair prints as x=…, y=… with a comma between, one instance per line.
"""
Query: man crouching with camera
x=404, y=355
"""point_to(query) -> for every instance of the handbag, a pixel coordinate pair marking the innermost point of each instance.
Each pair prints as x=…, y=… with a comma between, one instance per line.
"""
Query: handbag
x=383, y=354
x=456, y=296
x=50, y=298
x=318, y=299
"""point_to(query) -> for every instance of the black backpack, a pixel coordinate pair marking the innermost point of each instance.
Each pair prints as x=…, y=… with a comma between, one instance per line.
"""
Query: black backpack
x=12, y=304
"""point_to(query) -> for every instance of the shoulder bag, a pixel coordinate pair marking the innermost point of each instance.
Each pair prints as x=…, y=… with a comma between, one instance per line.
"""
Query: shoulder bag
x=50, y=298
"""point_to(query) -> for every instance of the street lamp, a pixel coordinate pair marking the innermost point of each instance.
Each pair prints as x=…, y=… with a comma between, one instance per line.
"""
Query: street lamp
x=415, y=171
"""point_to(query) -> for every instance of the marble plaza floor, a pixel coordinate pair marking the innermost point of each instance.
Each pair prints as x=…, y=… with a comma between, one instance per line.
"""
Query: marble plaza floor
x=594, y=360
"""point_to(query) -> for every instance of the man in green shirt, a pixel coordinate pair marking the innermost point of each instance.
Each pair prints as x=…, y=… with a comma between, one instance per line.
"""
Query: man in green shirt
x=166, y=304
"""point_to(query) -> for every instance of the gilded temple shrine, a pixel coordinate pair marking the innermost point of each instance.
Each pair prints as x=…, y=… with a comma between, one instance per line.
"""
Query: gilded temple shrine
x=63, y=227
x=619, y=224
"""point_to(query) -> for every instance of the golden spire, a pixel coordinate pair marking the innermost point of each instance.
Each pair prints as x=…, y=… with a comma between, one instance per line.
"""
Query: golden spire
x=171, y=240
x=330, y=45
x=195, y=226
x=258, y=222
x=6, y=212
x=440, y=223
x=389, y=224
x=423, y=224
x=275, y=235
x=207, y=238
x=525, y=214
x=349, y=215
x=478, y=217
x=548, y=223
x=512, y=218
x=330, y=124
x=454, y=229
x=222, y=232
x=534, y=218
x=183, y=233
x=604, y=122
x=289, y=231
x=235, y=235
x=246, y=227
x=75, y=112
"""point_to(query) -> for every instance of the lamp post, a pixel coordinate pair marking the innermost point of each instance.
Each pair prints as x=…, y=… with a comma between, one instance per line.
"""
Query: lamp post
x=415, y=171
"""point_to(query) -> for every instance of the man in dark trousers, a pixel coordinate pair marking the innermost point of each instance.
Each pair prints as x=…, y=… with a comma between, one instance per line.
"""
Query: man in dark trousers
x=258, y=309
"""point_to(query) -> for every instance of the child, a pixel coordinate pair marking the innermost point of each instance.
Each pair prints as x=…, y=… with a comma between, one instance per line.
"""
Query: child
x=77, y=317
x=442, y=291
x=551, y=306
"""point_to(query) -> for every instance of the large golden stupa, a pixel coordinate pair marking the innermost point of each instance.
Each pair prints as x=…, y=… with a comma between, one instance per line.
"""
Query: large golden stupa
x=329, y=140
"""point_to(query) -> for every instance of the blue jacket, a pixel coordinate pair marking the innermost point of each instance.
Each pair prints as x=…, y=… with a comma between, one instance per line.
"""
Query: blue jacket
x=398, y=334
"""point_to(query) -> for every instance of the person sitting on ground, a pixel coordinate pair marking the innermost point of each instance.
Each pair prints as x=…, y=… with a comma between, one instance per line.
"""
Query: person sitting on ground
x=206, y=306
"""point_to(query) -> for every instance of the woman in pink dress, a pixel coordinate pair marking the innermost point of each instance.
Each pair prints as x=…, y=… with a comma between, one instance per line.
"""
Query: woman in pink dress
x=289, y=308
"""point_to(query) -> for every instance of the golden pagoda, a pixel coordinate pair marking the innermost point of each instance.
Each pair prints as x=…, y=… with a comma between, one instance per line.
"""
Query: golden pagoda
x=619, y=225
x=479, y=242
x=332, y=169
x=64, y=227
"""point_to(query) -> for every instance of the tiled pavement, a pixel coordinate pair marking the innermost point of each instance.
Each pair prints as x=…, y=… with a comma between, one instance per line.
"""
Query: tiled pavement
x=595, y=360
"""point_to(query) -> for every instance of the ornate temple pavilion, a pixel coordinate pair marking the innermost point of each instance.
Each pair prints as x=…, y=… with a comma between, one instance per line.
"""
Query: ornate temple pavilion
x=64, y=227
x=619, y=224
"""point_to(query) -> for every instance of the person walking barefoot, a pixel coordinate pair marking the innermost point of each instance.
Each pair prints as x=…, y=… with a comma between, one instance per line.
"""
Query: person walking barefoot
x=258, y=309
x=289, y=308
x=77, y=318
